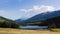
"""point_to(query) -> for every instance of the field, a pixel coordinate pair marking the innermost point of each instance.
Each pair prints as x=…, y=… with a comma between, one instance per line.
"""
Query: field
x=20, y=31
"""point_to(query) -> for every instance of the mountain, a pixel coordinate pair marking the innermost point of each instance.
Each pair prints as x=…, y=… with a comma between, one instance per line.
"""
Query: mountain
x=54, y=21
x=8, y=23
x=42, y=16
x=2, y=19
x=19, y=20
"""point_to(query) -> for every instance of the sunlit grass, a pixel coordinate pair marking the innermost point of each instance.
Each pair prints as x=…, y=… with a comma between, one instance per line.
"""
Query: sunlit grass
x=21, y=31
x=56, y=29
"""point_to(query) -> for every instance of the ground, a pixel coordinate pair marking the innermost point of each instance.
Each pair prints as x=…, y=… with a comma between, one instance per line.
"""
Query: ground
x=20, y=31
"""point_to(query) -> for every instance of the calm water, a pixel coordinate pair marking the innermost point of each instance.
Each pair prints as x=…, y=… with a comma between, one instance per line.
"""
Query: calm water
x=33, y=27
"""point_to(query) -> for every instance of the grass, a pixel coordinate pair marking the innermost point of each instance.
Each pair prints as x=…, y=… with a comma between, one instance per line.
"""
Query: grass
x=56, y=30
x=20, y=31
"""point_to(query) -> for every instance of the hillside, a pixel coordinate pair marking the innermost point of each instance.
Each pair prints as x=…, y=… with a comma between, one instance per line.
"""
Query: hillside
x=39, y=17
x=54, y=21
x=2, y=19
x=7, y=23
x=44, y=16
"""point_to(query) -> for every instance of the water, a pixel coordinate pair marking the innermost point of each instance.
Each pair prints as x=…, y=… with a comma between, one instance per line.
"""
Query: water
x=33, y=27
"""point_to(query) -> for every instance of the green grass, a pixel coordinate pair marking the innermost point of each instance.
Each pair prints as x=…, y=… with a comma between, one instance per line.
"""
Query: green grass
x=56, y=29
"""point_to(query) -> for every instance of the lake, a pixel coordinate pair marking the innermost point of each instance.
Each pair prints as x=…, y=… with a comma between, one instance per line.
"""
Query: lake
x=33, y=27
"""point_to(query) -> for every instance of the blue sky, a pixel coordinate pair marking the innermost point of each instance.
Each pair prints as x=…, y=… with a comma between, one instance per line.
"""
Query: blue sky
x=23, y=9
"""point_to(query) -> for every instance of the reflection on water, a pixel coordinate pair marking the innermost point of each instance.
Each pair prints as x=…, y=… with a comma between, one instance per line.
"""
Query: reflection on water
x=33, y=27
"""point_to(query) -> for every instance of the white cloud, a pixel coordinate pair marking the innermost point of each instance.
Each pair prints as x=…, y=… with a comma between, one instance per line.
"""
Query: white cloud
x=26, y=13
x=26, y=10
x=40, y=9
x=43, y=8
x=58, y=8
x=23, y=10
x=36, y=9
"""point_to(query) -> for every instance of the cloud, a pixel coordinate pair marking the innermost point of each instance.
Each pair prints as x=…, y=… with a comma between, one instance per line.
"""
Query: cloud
x=26, y=13
x=58, y=8
x=36, y=9
x=26, y=10
x=23, y=10
x=43, y=8
x=40, y=9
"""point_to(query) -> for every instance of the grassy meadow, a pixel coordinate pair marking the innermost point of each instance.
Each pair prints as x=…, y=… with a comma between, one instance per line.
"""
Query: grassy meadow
x=21, y=31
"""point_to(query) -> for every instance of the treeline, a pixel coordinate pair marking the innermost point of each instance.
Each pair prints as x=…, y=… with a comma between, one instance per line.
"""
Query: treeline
x=53, y=22
x=7, y=24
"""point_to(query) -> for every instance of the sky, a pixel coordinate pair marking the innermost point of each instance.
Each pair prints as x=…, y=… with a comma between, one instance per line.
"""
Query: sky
x=24, y=9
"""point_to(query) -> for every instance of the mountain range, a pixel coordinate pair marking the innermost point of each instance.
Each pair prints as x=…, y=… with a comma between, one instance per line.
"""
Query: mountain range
x=42, y=16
